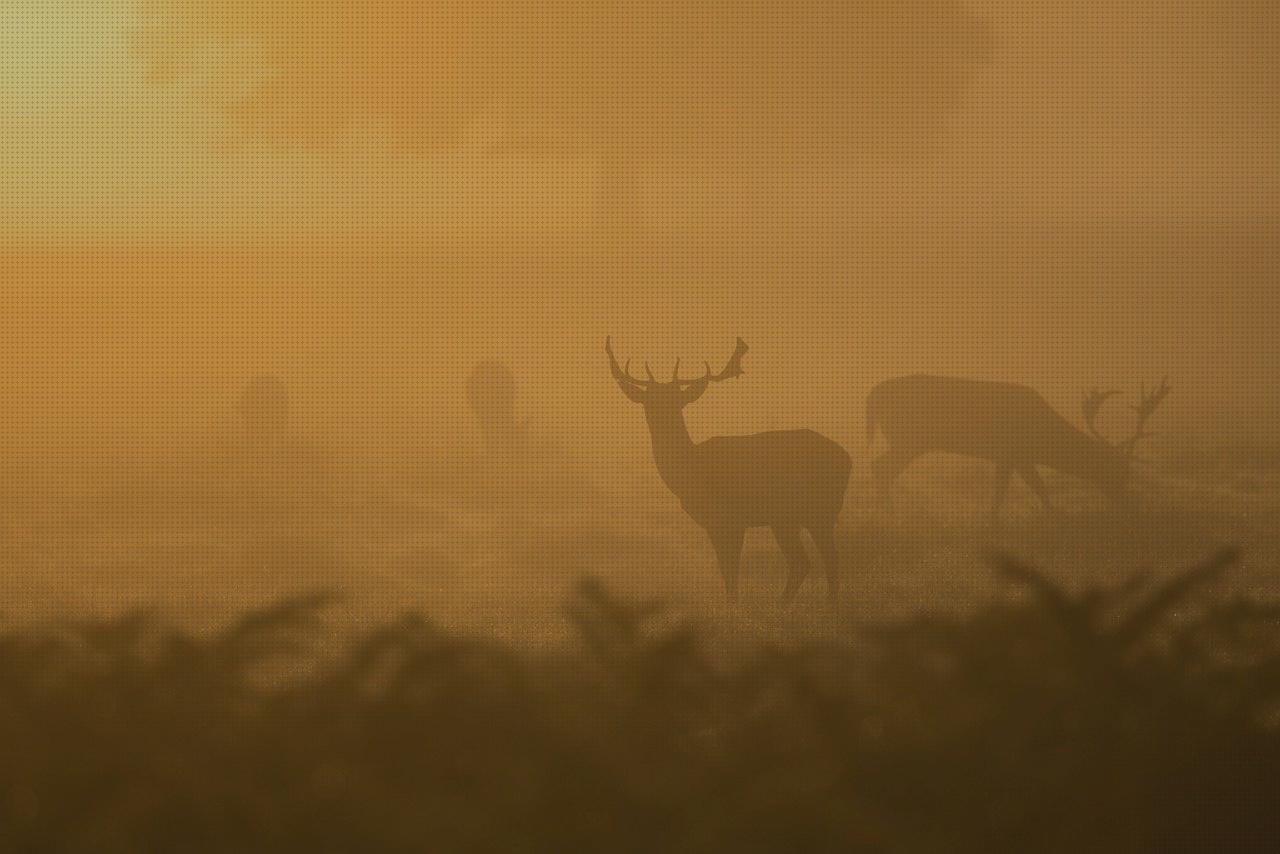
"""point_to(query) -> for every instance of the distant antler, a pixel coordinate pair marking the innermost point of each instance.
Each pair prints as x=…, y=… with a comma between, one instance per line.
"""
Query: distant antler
x=1145, y=407
x=1091, y=405
x=1148, y=404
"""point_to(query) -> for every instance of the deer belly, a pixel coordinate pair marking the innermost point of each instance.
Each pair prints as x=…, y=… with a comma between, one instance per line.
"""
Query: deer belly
x=757, y=505
x=978, y=438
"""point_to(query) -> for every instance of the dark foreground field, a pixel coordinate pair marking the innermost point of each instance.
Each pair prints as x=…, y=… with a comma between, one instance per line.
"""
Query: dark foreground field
x=585, y=688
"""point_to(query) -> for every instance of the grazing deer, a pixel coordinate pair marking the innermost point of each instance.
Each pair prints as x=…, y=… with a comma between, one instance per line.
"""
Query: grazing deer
x=789, y=481
x=1009, y=424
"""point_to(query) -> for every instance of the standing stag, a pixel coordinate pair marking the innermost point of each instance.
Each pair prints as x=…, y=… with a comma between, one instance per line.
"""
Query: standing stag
x=1009, y=424
x=789, y=481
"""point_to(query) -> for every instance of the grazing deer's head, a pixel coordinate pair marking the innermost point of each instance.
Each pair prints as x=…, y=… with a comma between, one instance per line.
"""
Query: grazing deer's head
x=1117, y=466
x=665, y=399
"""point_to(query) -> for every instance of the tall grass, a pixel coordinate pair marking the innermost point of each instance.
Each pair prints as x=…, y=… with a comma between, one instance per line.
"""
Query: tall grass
x=1142, y=717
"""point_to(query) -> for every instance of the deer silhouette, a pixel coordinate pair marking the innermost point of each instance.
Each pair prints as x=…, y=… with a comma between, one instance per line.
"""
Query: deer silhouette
x=491, y=394
x=274, y=459
x=789, y=481
x=1008, y=424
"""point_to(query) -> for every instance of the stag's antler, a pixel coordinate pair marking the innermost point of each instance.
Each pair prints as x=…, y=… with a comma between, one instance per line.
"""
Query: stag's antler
x=1145, y=407
x=1092, y=404
x=623, y=375
x=733, y=369
x=1148, y=404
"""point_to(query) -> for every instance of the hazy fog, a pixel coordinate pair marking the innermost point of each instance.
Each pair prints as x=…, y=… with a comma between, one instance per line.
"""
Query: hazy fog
x=1059, y=194
x=144, y=346
x=276, y=574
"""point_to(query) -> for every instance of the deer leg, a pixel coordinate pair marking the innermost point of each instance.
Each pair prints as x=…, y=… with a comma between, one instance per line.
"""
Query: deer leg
x=885, y=469
x=728, y=546
x=797, y=561
x=1032, y=479
x=1003, y=475
x=825, y=539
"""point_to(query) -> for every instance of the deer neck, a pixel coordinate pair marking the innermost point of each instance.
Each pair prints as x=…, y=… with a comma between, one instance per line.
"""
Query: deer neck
x=672, y=449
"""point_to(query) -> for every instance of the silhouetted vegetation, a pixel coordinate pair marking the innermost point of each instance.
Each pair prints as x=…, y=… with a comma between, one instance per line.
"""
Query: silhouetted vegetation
x=1139, y=717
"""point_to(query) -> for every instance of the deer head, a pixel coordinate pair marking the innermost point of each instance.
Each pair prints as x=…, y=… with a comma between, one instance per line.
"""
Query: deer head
x=1147, y=404
x=1114, y=469
x=675, y=394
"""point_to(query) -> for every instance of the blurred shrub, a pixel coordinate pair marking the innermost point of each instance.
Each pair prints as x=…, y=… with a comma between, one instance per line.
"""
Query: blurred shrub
x=1139, y=718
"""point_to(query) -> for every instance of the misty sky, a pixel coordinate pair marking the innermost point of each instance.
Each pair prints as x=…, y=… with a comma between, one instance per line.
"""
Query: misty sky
x=1098, y=203
x=1084, y=110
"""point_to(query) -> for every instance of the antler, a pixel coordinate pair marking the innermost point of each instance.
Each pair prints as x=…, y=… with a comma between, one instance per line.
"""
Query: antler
x=1145, y=407
x=1092, y=404
x=623, y=375
x=1148, y=404
x=733, y=369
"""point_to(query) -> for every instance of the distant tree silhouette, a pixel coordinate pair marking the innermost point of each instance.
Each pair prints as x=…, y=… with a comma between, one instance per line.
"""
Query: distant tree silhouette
x=702, y=88
x=789, y=481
